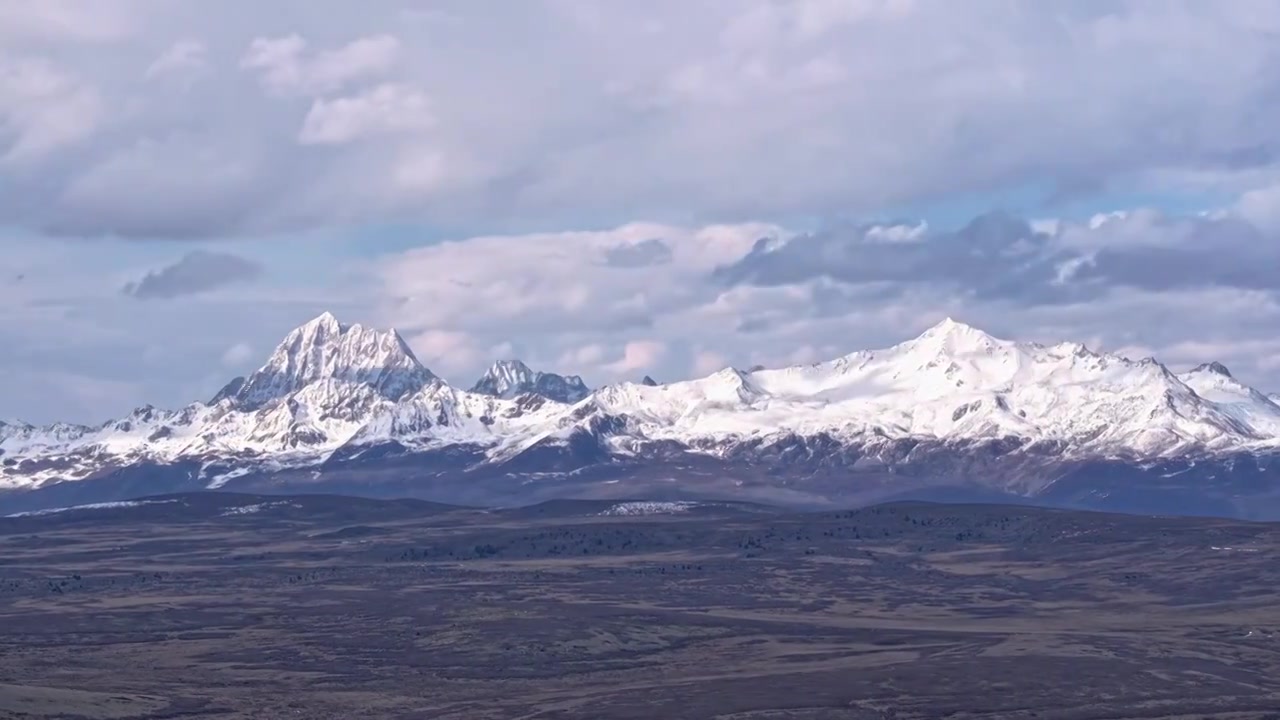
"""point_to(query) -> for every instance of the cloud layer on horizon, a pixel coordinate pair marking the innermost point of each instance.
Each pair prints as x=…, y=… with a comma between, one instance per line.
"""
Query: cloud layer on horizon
x=670, y=301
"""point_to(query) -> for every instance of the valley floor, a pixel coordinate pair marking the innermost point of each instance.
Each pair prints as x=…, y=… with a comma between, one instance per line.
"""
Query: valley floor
x=239, y=607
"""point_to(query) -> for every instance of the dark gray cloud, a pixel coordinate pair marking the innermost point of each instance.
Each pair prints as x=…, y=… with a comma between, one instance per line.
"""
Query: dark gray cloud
x=998, y=256
x=196, y=272
x=642, y=254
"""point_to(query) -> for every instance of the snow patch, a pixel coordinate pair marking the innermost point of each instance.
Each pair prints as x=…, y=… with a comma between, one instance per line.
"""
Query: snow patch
x=649, y=508
x=258, y=507
x=91, y=506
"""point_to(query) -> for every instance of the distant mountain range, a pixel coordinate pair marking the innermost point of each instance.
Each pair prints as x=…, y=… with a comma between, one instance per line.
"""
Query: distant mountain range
x=952, y=414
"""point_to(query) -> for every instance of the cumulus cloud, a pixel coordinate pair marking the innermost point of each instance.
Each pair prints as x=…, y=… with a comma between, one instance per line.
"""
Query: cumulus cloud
x=651, y=251
x=758, y=294
x=237, y=355
x=446, y=351
x=638, y=355
x=706, y=362
x=286, y=66
x=183, y=59
x=196, y=272
x=384, y=109
x=755, y=109
x=67, y=20
x=43, y=108
x=554, y=294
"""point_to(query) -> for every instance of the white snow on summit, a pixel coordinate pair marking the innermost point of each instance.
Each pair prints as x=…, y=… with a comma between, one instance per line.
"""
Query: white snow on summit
x=1214, y=383
x=324, y=349
x=510, y=378
x=331, y=387
x=951, y=382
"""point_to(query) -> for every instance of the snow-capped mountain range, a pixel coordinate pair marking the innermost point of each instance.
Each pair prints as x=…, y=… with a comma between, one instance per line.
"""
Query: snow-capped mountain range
x=338, y=407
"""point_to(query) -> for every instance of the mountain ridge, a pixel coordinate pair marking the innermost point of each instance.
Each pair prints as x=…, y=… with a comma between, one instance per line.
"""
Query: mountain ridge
x=510, y=378
x=952, y=405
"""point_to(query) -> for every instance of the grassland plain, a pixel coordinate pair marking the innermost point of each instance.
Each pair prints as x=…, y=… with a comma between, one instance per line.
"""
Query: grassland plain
x=233, y=606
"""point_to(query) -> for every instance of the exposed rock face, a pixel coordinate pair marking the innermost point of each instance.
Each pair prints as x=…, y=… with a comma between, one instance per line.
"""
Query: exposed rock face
x=511, y=378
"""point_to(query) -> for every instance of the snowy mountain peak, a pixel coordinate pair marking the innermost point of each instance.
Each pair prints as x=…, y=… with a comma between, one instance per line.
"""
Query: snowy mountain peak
x=953, y=338
x=1215, y=368
x=324, y=321
x=503, y=376
x=951, y=329
x=510, y=378
x=324, y=349
x=954, y=402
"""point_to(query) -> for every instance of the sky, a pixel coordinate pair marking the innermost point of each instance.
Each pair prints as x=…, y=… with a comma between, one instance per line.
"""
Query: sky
x=614, y=189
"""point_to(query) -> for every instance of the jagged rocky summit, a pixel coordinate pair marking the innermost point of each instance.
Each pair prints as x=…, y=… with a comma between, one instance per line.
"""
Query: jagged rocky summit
x=512, y=378
x=951, y=413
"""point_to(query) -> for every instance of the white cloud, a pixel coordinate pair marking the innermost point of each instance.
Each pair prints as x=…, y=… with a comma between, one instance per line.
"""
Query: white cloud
x=706, y=362
x=580, y=357
x=184, y=59
x=42, y=109
x=545, y=114
x=68, y=19
x=548, y=278
x=1261, y=206
x=237, y=355
x=286, y=67
x=638, y=355
x=446, y=351
x=385, y=109
x=559, y=298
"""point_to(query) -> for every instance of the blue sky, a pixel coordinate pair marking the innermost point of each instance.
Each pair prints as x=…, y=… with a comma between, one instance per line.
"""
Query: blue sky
x=183, y=182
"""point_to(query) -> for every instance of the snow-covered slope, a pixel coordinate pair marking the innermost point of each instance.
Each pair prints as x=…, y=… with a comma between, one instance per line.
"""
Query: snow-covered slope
x=1213, y=382
x=324, y=349
x=333, y=394
x=952, y=383
x=511, y=378
x=325, y=387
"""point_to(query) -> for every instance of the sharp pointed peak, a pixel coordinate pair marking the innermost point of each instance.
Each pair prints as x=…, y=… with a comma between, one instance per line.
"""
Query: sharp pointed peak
x=326, y=320
x=1215, y=367
x=510, y=377
x=324, y=349
x=951, y=336
x=509, y=364
x=951, y=326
